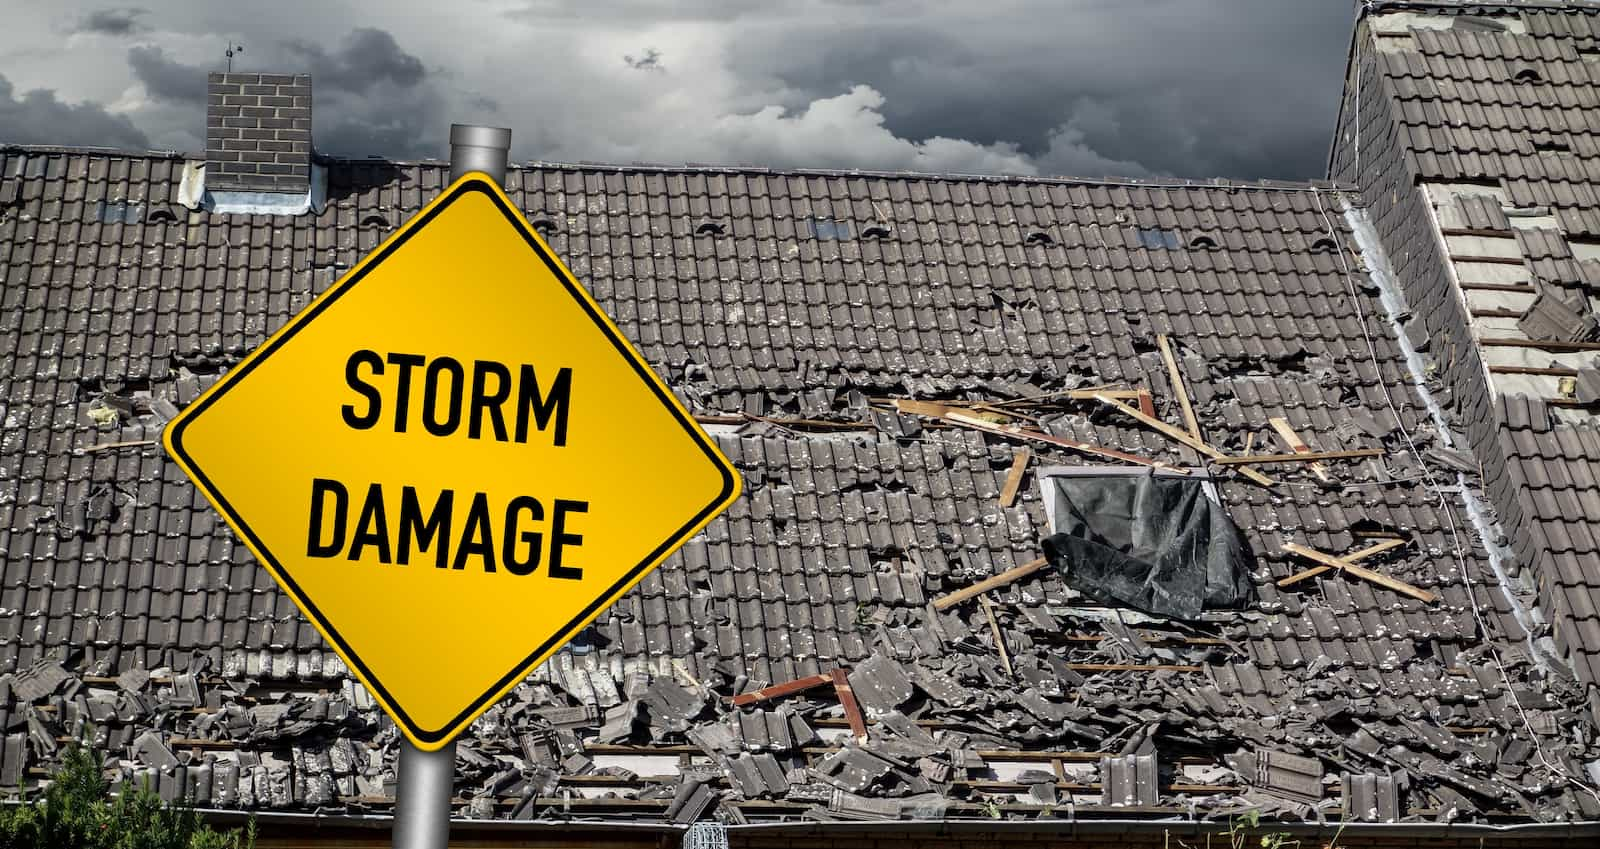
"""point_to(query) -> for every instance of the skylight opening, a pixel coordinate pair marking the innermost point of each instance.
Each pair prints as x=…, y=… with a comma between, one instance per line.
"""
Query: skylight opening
x=118, y=212
x=828, y=228
x=1157, y=238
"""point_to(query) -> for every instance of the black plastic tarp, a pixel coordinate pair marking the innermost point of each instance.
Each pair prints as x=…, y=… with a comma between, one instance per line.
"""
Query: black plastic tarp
x=1154, y=543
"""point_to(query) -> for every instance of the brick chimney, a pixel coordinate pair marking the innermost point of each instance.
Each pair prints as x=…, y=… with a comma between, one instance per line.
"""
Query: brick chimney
x=258, y=133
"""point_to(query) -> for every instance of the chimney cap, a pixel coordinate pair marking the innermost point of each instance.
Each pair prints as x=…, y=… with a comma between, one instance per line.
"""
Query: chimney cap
x=472, y=135
x=475, y=148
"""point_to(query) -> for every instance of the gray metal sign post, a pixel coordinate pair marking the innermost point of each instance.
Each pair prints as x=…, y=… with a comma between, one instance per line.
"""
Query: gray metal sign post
x=422, y=797
x=425, y=781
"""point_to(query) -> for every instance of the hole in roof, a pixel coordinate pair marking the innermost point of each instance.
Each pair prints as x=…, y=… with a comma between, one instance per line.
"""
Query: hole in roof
x=875, y=232
x=1528, y=75
x=1203, y=242
x=1323, y=245
x=1039, y=237
x=374, y=219
x=1373, y=529
x=710, y=228
x=1158, y=543
x=543, y=225
x=828, y=228
x=1550, y=145
x=1156, y=237
x=118, y=212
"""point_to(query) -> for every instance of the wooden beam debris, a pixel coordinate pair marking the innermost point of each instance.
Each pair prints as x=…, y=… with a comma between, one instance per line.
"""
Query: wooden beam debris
x=1009, y=576
x=1293, y=442
x=778, y=691
x=1377, y=548
x=985, y=420
x=1299, y=457
x=1176, y=377
x=999, y=637
x=1343, y=564
x=1147, y=402
x=1019, y=466
x=1180, y=436
x=971, y=421
x=847, y=700
x=839, y=678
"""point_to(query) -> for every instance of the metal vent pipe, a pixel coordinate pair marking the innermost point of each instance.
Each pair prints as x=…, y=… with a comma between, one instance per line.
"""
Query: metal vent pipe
x=475, y=148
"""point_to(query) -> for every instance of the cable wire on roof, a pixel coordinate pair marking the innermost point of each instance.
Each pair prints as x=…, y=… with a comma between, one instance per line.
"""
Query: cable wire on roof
x=1449, y=511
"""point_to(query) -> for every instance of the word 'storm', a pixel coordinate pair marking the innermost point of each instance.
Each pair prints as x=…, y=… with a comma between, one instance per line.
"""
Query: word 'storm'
x=445, y=379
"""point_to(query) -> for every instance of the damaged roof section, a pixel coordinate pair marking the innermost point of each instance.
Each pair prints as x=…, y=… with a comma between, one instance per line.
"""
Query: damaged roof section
x=1487, y=109
x=874, y=630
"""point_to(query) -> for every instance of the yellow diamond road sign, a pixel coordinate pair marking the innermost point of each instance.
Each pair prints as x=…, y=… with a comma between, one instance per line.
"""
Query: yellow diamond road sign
x=452, y=461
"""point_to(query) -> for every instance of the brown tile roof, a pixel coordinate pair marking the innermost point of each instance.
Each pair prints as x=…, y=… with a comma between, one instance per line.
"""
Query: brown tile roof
x=820, y=292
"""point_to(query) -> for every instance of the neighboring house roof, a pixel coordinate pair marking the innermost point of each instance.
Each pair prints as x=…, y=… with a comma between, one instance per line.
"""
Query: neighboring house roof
x=854, y=519
x=1491, y=111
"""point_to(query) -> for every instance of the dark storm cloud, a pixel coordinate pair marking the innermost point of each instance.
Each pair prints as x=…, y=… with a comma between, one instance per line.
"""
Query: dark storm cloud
x=123, y=21
x=372, y=96
x=367, y=57
x=37, y=117
x=1242, y=88
x=1196, y=88
x=167, y=79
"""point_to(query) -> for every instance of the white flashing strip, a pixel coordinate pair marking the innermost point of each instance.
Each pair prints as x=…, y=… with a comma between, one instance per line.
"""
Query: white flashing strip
x=1483, y=519
x=192, y=193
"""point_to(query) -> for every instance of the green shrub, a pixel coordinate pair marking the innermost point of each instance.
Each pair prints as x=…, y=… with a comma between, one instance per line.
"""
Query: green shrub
x=77, y=811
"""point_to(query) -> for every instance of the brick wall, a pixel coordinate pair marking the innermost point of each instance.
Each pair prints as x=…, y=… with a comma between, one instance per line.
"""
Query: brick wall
x=258, y=132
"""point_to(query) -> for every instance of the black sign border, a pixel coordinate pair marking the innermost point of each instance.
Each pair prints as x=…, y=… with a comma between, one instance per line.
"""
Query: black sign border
x=471, y=185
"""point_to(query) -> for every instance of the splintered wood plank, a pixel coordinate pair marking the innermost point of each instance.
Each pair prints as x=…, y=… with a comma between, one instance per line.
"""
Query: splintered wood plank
x=999, y=638
x=1180, y=436
x=968, y=420
x=1019, y=465
x=1349, y=568
x=1370, y=550
x=1176, y=377
x=778, y=691
x=1147, y=402
x=1011, y=575
x=1294, y=443
x=847, y=700
x=1300, y=457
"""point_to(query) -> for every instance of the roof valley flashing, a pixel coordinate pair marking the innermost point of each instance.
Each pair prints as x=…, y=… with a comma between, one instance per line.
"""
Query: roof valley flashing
x=258, y=147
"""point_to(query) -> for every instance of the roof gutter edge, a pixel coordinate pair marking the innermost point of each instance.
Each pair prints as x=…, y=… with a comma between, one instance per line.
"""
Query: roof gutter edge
x=385, y=822
x=1178, y=826
x=1182, y=827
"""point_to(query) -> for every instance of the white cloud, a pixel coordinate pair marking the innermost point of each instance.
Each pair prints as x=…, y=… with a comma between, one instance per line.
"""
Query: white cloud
x=848, y=131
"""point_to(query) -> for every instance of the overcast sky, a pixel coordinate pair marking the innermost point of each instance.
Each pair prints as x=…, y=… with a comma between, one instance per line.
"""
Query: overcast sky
x=1194, y=88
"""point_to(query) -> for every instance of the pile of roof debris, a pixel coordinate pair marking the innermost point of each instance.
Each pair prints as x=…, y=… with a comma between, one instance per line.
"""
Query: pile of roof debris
x=1022, y=694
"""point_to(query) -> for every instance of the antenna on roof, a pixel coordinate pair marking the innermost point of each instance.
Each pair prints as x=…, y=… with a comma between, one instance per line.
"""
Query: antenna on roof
x=232, y=49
